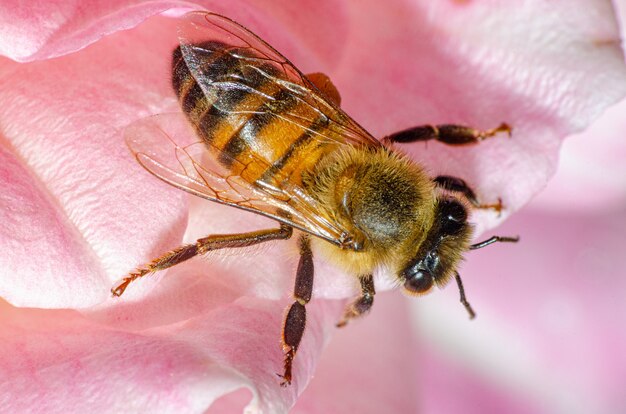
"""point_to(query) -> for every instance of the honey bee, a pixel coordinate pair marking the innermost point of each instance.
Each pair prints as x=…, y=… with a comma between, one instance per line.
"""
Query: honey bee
x=257, y=134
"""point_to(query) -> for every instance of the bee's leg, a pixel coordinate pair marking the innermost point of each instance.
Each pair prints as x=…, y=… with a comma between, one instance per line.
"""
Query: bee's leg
x=448, y=134
x=324, y=84
x=362, y=304
x=460, y=186
x=214, y=242
x=293, y=327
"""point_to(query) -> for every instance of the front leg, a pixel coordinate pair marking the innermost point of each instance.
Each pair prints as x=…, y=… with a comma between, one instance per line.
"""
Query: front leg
x=447, y=133
x=362, y=304
x=295, y=321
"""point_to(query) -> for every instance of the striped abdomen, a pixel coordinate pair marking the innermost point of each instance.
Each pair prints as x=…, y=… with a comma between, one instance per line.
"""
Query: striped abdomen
x=241, y=114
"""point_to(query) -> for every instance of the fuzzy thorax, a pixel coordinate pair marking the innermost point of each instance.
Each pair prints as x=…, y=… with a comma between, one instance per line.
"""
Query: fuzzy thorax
x=381, y=197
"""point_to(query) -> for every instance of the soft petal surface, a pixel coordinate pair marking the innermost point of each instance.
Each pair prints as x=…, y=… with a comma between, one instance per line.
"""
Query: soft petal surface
x=78, y=213
x=48, y=29
x=549, y=332
x=592, y=172
x=125, y=361
x=528, y=75
x=62, y=122
x=139, y=86
x=369, y=367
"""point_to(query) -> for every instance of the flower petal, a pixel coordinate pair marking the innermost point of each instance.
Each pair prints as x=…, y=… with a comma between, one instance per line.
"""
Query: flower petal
x=45, y=30
x=478, y=63
x=550, y=312
x=41, y=246
x=61, y=124
x=592, y=174
x=131, y=359
x=64, y=119
x=369, y=367
x=40, y=31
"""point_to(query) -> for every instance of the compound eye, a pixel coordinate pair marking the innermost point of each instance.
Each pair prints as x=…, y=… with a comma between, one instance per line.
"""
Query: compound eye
x=453, y=217
x=419, y=282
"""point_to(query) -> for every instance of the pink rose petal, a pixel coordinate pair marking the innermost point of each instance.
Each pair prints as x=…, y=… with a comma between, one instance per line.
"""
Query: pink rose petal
x=38, y=31
x=620, y=12
x=532, y=66
x=64, y=118
x=42, y=30
x=592, y=173
x=369, y=366
x=550, y=315
x=125, y=360
x=36, y=233
x=199, y=333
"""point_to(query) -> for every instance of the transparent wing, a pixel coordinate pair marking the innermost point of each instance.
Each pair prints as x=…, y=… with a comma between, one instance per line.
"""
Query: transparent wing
x=202, y=34
x=168, y=147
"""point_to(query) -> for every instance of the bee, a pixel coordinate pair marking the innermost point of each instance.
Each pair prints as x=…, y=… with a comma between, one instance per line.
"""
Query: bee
x=257, y=134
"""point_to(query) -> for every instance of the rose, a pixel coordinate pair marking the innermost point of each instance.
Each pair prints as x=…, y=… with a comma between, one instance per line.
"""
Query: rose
x=78, y=213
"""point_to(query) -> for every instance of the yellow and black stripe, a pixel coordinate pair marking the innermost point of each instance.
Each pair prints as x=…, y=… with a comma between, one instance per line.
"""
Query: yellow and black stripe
x=241, y=119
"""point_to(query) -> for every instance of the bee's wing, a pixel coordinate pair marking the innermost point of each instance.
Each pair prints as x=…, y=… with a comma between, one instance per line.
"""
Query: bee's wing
x=167, y=146
x=201, y=34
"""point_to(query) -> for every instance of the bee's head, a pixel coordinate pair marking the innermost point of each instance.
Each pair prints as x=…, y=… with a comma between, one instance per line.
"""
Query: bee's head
x=437, y=257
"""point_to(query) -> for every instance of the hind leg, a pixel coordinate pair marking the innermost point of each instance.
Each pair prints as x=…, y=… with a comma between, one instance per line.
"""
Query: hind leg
x=186, y=252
